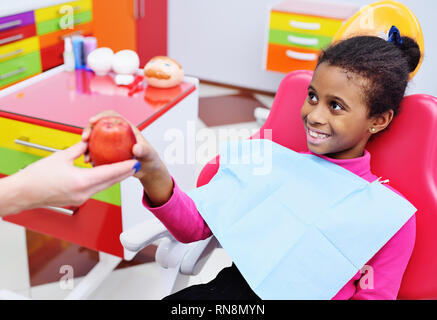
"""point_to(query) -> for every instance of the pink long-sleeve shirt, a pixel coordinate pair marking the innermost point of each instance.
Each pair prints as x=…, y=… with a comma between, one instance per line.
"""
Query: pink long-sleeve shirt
x=380, y=278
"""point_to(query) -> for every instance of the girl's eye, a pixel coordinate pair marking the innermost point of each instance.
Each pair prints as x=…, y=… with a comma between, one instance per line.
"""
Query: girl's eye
x=312, y=97
x=336, y=107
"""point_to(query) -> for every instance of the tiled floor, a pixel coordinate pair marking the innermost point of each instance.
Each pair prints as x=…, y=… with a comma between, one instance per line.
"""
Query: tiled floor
x=30, y=261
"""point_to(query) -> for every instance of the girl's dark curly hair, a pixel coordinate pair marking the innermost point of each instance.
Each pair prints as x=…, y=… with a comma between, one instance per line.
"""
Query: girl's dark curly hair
x=385, y=67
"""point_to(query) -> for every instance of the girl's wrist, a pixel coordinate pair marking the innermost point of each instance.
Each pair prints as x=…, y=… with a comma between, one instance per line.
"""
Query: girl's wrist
x=158, y=187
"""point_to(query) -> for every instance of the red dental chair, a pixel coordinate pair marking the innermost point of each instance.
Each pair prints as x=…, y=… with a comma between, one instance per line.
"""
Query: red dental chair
x=405, y=153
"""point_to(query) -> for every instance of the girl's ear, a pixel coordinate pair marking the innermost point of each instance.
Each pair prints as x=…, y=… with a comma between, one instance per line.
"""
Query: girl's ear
x=381, y=121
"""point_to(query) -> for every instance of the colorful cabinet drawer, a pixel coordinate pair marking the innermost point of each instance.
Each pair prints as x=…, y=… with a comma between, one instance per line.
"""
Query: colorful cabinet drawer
x=35, y=38
x=51, y=32
x=57, y=37
x=47, y=113
x=54, y=25
x=15, y=134
x=16, y=20
x=52, y=44
x=298, y=30
x=19, y=48
x=23, y=143
x=19, y=68
x=56, y=12
x=16, y=34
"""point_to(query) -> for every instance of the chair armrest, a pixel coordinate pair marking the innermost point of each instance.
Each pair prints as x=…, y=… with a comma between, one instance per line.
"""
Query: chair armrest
x=196, y=257
x=143, y=234
x=189, y=258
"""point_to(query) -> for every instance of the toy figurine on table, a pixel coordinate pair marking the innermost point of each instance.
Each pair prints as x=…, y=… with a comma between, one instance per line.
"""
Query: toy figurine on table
x=163, y=72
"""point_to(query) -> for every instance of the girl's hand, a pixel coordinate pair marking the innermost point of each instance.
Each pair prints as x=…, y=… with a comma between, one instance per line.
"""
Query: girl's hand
x=151, y=171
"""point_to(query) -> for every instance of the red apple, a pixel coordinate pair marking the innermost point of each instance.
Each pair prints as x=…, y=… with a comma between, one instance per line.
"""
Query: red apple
x=111, y=140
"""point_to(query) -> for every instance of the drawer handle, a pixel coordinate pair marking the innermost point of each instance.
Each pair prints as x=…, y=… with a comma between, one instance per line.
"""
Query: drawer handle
x=60, y=210
x=301, y=55
x=10, y=39
x=76, y=21
x=10, y=24
x=12, y=73
x=142, y=8
x=12, y=53
x=37, y=146
x=305, y=25
x=303, y=41
x=34, y=145
x=135, y=9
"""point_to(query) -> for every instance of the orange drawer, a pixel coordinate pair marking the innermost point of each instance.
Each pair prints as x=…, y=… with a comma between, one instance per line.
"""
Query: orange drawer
x=53, y=38
x=287, y=59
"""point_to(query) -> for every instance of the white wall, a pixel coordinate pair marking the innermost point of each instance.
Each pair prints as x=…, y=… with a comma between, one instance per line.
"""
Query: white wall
x=223, y=41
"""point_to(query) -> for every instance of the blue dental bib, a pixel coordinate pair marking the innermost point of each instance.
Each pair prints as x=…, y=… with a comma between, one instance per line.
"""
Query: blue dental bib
x=297, y=226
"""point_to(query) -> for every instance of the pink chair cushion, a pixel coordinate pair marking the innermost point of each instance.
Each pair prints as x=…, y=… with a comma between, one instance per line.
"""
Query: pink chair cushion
x=405, y=153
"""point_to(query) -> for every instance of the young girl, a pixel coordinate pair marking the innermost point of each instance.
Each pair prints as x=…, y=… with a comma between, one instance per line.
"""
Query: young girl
x=355, y=92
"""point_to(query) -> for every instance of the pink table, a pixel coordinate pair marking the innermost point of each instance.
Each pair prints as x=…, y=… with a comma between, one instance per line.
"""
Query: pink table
x=67, y=100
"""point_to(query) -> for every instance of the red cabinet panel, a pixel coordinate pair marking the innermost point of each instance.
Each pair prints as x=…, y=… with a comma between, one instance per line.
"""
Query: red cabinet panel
x=95, y=225
x=151, y=29
x=52, y=56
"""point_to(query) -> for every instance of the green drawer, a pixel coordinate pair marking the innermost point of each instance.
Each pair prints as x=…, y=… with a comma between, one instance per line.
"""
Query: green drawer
x=19, y=68
x=11, y=161
x=54, y=24
x=300, y=40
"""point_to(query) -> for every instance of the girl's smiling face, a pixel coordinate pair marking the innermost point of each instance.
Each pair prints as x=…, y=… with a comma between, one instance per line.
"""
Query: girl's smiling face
x=335, y=116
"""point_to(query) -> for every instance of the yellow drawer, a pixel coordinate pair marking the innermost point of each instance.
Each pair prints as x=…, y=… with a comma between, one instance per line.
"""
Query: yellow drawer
x=304, y=24
x=14, y=134
x=54, y=12
x=19, y=48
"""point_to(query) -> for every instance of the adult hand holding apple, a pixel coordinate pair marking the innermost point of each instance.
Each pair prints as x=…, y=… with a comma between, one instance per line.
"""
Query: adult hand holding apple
x=56, y=181
x=150, y=169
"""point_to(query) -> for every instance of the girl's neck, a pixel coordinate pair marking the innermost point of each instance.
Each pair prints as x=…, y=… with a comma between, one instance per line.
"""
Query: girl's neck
x=355, y=152
x=344, y=156
x=359, y=165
